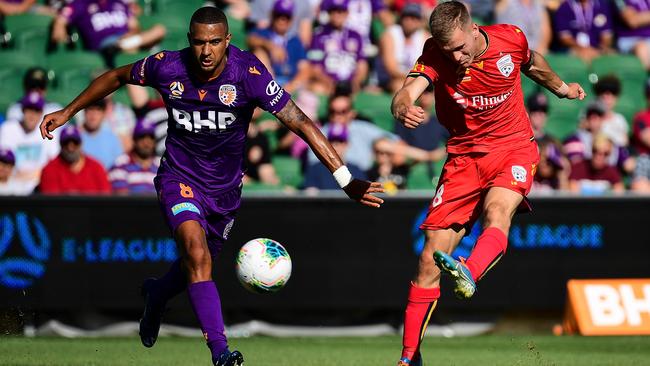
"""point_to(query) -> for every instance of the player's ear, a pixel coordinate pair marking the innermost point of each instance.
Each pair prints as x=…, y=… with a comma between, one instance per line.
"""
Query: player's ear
x=475, y=31
x=189, y=39
x=228, y=37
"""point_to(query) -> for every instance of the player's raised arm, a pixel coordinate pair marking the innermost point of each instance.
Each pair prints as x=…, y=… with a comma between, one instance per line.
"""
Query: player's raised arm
x=359, y=190
x=98, y=89
x=540, y=72
x=403, y=106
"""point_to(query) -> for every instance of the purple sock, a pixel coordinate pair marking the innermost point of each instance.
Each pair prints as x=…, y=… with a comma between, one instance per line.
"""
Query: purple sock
x=169, y=285
x=207, y=307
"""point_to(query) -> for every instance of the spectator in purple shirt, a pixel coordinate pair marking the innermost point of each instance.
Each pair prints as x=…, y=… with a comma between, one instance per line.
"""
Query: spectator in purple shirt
x=336, y=51
x=283, y=54
x=105, y=26
x=633, y=28
x=584, y=27
x=133, y=173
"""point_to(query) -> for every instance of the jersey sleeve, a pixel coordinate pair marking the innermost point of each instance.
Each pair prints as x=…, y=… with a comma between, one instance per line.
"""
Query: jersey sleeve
x=265, y=92
x=424, y=66
x=145, y=71
x=522, y=41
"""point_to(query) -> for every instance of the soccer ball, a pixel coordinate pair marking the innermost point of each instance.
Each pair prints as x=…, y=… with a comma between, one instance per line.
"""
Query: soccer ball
x=263, y=266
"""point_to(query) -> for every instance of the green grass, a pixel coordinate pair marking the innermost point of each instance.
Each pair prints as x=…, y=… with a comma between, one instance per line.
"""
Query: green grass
x=263, y=351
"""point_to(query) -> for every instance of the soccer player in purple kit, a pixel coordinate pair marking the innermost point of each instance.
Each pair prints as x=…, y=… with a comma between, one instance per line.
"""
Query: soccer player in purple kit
x=210, y=91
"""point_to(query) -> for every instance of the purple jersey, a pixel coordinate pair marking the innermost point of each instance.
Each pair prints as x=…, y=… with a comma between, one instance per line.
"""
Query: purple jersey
x=130, y=176
x=337, y=51
x=586, y=24
x=208, y=121
x=99, y=22
x=622, y=30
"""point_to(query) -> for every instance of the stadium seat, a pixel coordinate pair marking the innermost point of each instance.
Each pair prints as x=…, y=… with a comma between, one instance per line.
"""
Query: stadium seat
x=376, y=107
x=563, y=116
x=73, y=70
x=182, y=9
x=261, y=187
x=569, y=68
x=629, y=70
x=288, y=170
x=421, y=177
x=236, y=28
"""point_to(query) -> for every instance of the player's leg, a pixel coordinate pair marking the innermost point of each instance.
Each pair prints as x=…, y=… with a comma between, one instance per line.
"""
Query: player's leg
x=512, y=175
x=499, y=207
x=202, y=291
x=424, y=292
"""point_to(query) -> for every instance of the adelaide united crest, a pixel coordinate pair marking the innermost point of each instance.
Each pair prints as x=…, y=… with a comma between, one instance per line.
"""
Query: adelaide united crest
x=228, y=94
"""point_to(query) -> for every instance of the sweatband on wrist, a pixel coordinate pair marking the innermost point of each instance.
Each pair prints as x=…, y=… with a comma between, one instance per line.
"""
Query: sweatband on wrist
x=563, y=90
x=343, y=176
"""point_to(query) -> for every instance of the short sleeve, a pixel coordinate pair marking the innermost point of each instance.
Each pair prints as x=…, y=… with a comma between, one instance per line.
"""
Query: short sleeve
x=522, y=41
x=144, y=71
x=424, y=65
x=263, y=89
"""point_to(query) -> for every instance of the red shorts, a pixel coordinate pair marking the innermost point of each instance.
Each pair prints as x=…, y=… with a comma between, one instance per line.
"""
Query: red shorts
x=466, y=179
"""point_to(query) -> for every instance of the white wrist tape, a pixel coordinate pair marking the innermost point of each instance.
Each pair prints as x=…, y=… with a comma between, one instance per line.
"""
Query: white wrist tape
x=563, y=90
x=343, y=176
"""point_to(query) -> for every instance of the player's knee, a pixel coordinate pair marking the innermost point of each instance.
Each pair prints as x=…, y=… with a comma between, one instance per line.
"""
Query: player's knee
x=197, y=255
x=497, y=214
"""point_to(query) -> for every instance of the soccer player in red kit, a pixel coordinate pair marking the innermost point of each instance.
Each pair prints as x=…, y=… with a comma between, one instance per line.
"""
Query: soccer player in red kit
x=492, y=153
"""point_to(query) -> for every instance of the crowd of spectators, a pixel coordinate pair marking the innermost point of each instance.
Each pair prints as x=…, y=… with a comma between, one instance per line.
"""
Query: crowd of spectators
x=326, y=53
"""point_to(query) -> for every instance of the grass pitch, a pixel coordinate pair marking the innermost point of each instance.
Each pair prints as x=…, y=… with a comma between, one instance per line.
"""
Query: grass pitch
x=375, y=351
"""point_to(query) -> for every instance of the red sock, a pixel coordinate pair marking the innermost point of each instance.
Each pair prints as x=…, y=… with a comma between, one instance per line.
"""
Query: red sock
x=421, y=302
x=489, y=248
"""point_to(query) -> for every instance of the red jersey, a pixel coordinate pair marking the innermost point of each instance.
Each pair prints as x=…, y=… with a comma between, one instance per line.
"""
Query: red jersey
x=57, y=178
x=482, y=106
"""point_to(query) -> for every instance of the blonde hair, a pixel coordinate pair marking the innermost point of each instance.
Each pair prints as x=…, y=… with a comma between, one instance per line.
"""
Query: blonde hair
x=446, y=17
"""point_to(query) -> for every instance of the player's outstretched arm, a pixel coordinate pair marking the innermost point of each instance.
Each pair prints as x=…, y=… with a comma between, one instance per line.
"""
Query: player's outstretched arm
x=403, y=107
x=358, y=190
x=98, y=89
x=540, y=72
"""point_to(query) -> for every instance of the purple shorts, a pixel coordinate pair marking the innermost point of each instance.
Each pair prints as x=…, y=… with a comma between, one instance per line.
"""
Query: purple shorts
x=181, y=202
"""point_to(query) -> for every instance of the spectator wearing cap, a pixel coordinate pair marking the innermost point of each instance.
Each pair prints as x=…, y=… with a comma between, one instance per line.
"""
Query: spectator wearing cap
x=531, y=17
x=316, y=175
x=400, y=46
x=336, y=52
x=578, y=146
x=282, y=54
x=552, y=169
x=100, y=141
x=105, y=26
x=595, y=175
x=633, y=29
x=133, y=173
x=537, y=105
x=34, y=80
x=302, y=18
x=9, y=186
x=73, y=172
x=615, y=126
x=24, y=139
x=584, y=27
x=389, y=170
x=641, y=145
x=257, y=156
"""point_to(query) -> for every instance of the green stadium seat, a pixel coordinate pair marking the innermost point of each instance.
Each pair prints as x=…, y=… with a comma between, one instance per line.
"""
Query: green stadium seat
x=181, y=9
x=261, y=187
x=569, y=68
x=24, y=21
x=236, y=28
x=32, y=41
x=421, y=177
x=288, y=170
x=563, y=116
x=73, y=71
x=629, y=70
x=376, y=107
